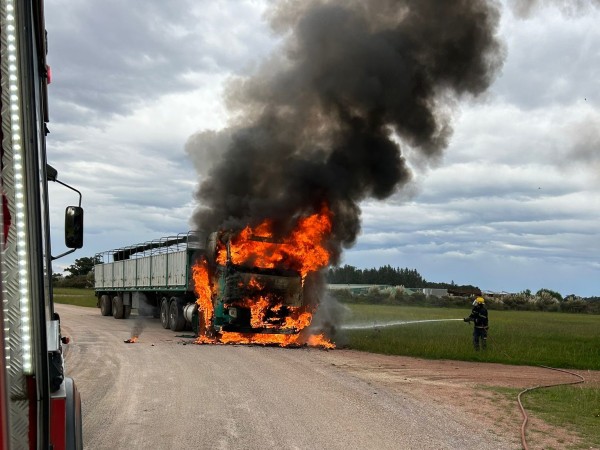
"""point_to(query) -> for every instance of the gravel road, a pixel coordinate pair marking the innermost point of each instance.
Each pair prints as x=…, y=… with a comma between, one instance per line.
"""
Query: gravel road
x=166, y=393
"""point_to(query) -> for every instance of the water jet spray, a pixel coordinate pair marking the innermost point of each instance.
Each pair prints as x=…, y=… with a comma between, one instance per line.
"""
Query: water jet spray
x=392, y=324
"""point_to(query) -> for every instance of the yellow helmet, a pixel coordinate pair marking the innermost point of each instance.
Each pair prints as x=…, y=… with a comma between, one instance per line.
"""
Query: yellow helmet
x=480, y=300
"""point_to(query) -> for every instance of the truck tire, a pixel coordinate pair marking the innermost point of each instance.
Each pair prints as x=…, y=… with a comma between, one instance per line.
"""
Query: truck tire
x=118, y=309
x=105, y=305
x=164, y=313
x=176, y=319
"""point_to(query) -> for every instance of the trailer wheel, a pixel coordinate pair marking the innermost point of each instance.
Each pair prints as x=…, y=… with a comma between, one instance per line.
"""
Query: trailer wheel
x=118, y=308
x=105, y=305
x=176, y=319
x=164, y=313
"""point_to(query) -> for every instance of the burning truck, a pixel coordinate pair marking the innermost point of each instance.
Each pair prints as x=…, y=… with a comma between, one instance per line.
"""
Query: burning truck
x=228, y=287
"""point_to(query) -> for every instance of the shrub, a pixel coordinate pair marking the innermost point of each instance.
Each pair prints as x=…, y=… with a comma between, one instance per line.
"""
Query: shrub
x=544, y=300
x=75, y=281
x=574, y=306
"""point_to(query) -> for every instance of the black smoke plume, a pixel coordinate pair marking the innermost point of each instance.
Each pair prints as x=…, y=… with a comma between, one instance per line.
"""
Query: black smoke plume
x=325, y=120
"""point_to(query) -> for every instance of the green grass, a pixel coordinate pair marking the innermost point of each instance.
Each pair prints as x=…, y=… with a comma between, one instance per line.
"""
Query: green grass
x=515, y=337
x=74, y=296
x=573, y=407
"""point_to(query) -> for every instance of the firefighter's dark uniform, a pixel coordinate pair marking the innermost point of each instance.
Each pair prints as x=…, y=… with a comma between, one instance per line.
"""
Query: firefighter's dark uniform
x=479, y=316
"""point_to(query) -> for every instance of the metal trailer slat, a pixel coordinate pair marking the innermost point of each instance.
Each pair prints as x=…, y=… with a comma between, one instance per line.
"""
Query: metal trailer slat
x=98, y=276
x=144, y=271
x=118, y=274
x=130, y=269
x=159, y=270
x=108, y=271
x=177, y=269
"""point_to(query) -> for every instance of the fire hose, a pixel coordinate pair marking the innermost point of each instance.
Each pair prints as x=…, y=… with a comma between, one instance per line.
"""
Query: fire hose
x=541, y=386
x=524, y=414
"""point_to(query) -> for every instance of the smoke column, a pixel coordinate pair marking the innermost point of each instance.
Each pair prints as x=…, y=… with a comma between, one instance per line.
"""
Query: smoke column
x=326, y=120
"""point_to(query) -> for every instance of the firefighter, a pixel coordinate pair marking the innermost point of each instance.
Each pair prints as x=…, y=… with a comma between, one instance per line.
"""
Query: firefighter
x=479, y=317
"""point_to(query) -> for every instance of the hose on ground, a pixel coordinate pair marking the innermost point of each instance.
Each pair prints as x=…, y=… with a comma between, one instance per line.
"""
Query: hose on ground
x=524, y=414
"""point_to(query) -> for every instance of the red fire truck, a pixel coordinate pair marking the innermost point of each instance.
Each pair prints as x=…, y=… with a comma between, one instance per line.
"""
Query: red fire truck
x=39, y=406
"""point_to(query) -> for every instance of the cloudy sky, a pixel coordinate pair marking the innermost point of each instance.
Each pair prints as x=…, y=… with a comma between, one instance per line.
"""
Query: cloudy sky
x=513, y=203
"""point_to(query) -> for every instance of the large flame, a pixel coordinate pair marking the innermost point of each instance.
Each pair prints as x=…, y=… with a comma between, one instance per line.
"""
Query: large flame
x=303, y=251
x=283, y=340
x=203, y=291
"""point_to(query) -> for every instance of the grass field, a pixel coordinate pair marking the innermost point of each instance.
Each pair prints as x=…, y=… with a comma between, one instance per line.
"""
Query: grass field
x=576, y=408
x=515, y=337
x=74, y=296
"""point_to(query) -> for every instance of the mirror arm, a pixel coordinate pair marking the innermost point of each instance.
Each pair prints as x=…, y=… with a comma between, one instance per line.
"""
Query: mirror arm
x=63, y=254
x=52, y=175
x=72, y=188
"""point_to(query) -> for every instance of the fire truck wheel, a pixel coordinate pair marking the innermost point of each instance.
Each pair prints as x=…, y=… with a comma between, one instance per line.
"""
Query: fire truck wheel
x=176, y=319
x=126, y=311
x=118, y=308
x=164, y=313
x=105, y=305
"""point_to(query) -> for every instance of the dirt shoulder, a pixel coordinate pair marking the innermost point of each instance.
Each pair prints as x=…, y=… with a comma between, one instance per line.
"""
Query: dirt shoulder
x=468, y=387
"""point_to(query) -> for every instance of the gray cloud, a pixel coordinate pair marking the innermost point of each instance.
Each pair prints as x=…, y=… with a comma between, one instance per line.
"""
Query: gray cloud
x=585, y=152
x=118, y=55
x=546, y=56
x=527, y=8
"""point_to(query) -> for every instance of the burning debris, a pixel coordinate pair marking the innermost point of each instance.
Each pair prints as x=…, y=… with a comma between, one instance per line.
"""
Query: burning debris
x=145, y=311
x=320, y=128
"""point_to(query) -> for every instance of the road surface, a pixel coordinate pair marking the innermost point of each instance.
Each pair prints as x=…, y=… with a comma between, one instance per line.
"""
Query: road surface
x=165, y=392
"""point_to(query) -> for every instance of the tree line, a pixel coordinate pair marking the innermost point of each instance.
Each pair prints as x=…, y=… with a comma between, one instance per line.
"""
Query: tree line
x=392, y=276
x=542, y=300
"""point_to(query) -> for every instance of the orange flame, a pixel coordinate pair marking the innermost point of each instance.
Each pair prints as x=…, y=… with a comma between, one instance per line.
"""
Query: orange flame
x=283, y=340
x=131, y=340
x=203, y=293
x=302, y=251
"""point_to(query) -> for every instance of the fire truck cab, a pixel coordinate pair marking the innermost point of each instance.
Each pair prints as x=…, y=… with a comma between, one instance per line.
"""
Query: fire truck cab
x=39, y=407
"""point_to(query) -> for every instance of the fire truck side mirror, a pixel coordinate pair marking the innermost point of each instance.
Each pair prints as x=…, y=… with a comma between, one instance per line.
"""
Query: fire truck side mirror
x=74, y=227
